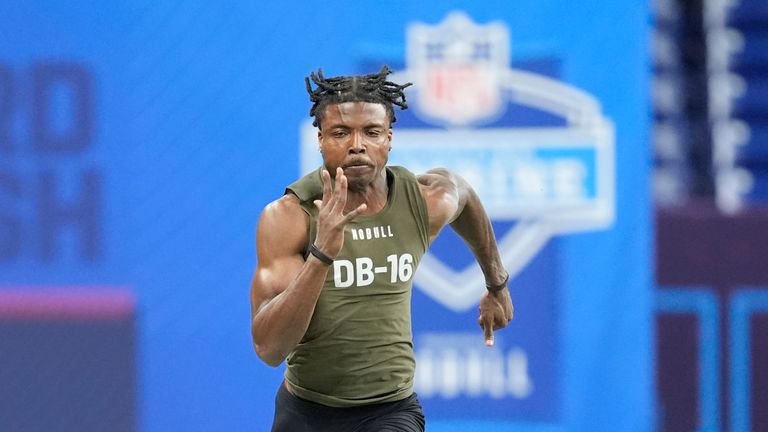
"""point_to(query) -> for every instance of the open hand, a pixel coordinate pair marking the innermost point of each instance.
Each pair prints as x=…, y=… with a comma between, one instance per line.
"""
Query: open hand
x=331, y=218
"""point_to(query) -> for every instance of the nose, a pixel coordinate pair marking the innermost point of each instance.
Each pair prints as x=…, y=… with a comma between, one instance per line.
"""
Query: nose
x=357, y=146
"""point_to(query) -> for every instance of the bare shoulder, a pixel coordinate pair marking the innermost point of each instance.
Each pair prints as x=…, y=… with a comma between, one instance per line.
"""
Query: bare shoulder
x=282, y=228
x=287, y=205
x=436, y=178
x=441, y=194
x=437, y=184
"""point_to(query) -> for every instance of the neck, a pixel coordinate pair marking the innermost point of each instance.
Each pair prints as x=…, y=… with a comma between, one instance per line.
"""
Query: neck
x=374, y=195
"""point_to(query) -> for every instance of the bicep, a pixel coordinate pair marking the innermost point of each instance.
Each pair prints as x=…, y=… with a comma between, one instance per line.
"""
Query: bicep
x=272, y=278
x=280, y=242
x=442, y=193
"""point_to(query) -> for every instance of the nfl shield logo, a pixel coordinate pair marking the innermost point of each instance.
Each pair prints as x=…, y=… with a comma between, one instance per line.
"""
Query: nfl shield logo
x=457, y=67
x=549, y=180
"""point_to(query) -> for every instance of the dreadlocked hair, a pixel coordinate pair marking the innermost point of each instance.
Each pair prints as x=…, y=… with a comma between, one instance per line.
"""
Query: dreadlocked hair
x=372, y=88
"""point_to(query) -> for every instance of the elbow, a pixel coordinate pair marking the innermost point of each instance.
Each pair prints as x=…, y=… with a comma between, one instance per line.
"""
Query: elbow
x=266, y=351
x=269, y=356
x=269, y=350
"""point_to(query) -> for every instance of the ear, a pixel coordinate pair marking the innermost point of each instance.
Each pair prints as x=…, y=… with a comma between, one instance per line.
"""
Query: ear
x=389, y=139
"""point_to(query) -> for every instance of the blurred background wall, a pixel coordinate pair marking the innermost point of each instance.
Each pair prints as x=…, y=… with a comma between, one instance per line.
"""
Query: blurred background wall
x=619, y=148
x=710, y=67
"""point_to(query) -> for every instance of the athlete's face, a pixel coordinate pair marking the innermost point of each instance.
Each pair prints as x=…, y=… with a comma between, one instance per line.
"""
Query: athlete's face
x=357, y=137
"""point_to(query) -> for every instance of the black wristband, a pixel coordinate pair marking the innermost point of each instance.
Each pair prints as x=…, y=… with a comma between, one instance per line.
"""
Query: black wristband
x=325, y=259
x=496, y=288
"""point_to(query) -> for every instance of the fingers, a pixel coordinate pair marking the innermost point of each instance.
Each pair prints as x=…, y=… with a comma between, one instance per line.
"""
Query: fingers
x=500, y=324
x=494, y=315
x=326, y=177
x=340, y=191
x=334, y=197
x=487, y=324
x=349, y=216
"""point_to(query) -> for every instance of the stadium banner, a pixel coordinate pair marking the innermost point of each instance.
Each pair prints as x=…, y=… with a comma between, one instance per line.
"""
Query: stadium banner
x=140, y=140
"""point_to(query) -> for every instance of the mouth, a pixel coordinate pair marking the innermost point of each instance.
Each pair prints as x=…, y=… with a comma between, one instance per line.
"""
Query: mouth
x=356, y=166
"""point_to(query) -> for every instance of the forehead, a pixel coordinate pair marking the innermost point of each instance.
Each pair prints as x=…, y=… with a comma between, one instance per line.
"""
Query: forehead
x=354, y=113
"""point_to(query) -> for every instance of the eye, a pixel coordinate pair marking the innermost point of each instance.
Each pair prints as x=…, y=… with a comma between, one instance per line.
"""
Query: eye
x=373, y=132
x=339, y=133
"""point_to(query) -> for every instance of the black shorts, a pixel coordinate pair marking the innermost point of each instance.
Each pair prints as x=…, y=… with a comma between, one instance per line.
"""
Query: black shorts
x=293, y=414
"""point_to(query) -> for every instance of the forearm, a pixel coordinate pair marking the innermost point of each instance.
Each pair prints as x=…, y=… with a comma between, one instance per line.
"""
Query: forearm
x=474, y=226
x=279, y=325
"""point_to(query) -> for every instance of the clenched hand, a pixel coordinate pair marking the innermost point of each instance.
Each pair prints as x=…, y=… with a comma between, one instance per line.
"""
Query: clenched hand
x=496, y=311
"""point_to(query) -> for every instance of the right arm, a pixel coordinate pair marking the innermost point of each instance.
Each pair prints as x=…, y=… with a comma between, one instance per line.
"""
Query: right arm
x=285, y=287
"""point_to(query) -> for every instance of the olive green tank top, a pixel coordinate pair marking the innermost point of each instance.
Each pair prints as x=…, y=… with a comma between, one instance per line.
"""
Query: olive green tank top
x=358, y=348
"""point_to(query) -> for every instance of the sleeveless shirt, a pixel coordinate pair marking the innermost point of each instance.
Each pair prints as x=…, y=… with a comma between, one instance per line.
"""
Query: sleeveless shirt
x=358, y=348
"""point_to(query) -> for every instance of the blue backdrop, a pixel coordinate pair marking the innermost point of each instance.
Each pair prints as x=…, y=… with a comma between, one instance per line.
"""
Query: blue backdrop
x=140, y=140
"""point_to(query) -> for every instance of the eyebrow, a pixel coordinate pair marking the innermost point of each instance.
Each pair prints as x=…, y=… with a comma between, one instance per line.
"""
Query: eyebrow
x=367, y=126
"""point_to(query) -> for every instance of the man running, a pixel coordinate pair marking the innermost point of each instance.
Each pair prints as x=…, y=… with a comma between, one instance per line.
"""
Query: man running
x=336, y=257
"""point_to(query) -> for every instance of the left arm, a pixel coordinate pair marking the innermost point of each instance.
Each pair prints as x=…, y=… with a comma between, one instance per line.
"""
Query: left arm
x=451, y=200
